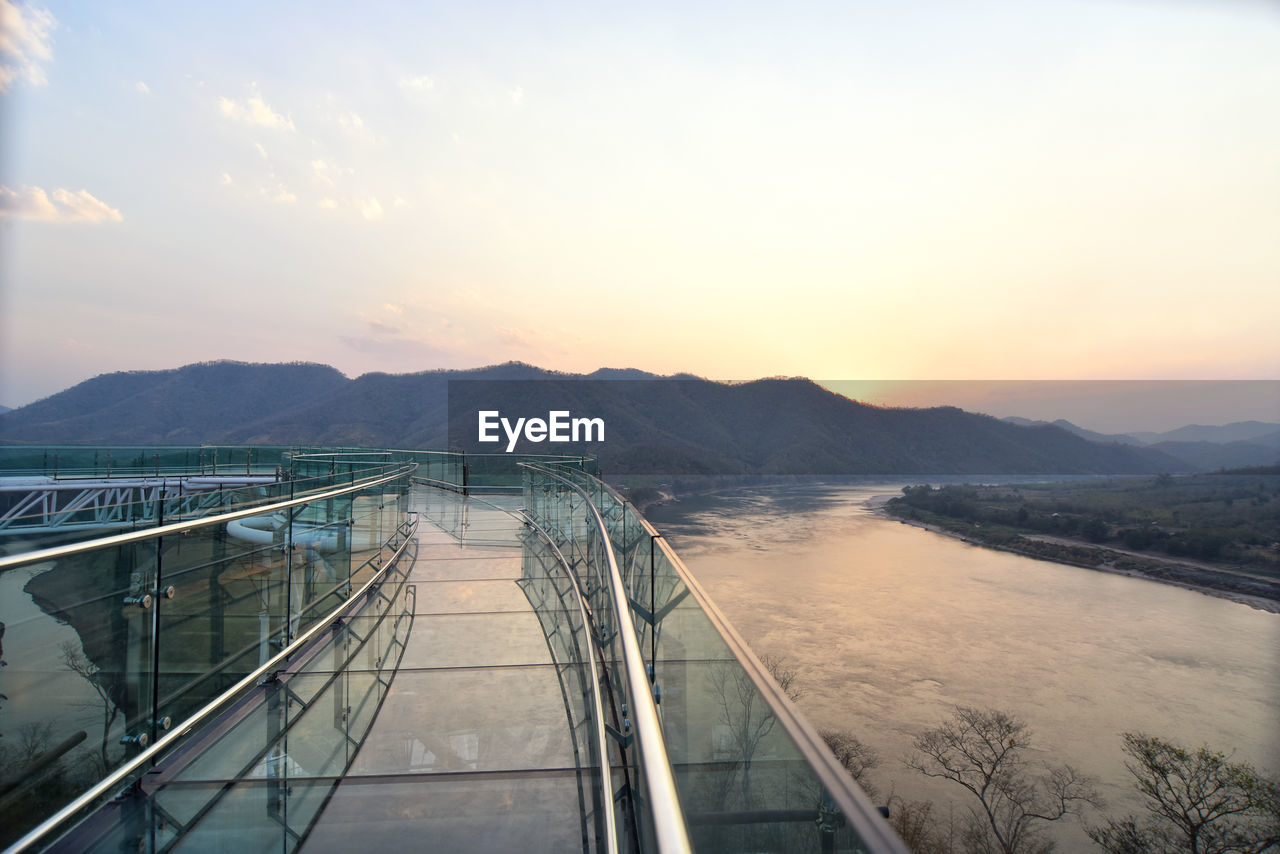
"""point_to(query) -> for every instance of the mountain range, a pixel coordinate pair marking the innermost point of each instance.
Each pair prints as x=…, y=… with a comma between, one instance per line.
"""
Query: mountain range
x=669, y=424
x=1226, y=446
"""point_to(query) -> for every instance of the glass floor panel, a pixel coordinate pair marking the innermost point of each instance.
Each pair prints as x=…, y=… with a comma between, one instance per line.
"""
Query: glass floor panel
x=487, y=719
x=475, y=640
x=466, y=569
x=464, y=597
x=529, y=812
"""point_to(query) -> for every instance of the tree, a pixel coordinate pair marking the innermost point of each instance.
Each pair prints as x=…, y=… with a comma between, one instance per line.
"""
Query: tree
x=787, y=677
x=856, y=757
x=923, y=828
x=1095, y=530
x=77, y=662
x=1198, y=800
x=982, y=750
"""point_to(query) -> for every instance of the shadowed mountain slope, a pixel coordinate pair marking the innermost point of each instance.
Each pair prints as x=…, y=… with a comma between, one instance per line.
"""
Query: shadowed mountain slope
x=676, y=424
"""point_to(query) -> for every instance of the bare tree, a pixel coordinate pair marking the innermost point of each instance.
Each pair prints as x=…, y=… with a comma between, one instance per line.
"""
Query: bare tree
x=787, y=677
x=856, y=757
x=1198, y=800
x=921, y=826
x=983, y=751
x=747, y=718
x=76, y=661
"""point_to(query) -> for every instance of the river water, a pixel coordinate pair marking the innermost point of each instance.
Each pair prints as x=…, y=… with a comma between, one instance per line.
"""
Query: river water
x=890, y=626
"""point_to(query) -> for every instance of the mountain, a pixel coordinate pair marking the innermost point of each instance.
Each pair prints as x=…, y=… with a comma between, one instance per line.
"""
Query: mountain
x=1238, y=431
x=4, y=409
x=1211, y=456
x=186, y=405
x=662, y=424
x=1091, y=435
x=1207, y=448
x=1270, y=440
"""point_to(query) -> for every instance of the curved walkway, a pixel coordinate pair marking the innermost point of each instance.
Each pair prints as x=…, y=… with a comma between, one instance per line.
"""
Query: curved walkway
x=471, y=748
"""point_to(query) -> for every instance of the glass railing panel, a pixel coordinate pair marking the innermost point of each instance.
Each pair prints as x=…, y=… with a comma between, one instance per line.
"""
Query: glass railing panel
x=744, y=781
x=221, y=612
x=318, y=742
x=107, y=646
x=365, y=692
x=365, y=536
x=567, y=518
x=241, y=746
x=251, y=817
x=99, y=461
x=78, y=645
x=289, y=748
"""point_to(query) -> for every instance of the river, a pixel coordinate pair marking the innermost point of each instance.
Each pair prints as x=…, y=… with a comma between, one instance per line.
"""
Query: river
x=890, y=626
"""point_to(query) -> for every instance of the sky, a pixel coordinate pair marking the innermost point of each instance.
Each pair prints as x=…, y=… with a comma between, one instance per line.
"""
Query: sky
x=951, y=190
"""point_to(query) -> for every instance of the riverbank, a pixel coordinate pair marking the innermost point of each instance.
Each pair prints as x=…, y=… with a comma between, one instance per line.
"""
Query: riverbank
x=1222, y=582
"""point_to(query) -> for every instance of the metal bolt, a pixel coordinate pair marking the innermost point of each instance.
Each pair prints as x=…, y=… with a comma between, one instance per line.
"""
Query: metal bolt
x=139, y=740
x=143, y=602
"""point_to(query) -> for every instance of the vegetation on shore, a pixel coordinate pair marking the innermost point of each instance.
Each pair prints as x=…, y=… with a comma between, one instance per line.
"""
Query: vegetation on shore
x=1216, y=532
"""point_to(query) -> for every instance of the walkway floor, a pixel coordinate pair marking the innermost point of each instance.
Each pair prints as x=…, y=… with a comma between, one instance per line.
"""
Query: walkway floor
x=471, y=750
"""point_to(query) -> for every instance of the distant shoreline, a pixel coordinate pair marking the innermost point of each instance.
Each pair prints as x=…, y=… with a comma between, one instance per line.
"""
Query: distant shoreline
x=878, y=505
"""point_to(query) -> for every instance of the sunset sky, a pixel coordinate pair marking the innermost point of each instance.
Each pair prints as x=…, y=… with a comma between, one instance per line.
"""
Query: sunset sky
x=1059, y=189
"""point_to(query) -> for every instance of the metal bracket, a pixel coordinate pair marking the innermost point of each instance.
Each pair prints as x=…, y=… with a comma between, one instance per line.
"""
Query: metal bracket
x=624, y=741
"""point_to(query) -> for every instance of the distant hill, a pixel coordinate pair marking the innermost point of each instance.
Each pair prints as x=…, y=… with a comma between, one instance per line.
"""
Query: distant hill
x=1238, y=431
x=1091, y=435
x=670, y=425
x=186, y=405
x=1206, y=448
x=4, y=409
x=1211, y=456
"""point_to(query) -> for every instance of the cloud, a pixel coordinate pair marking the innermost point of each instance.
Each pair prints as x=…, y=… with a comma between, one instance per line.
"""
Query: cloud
x=517, y=95
x=400, y=202
x=392, y=341
x=354, y=125
x=379, y=328
x=142, y=87
x=253, y=110
x=225, y=179
x=82, y=206
x=33, y=203
x=328, y=204
x=417, y=84
x=261, y=150
x=278, y=193
x=27, y=203
x=24, y=43
x=320, y=170
x=371, y=209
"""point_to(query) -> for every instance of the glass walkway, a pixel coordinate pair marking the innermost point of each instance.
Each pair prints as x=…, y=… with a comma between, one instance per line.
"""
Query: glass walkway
x=319, y=649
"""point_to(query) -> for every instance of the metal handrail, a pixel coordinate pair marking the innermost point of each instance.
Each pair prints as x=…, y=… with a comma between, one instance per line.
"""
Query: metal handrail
x=857, y=808
x=118, y=776
x=670, y=829
x=602, y=743
x=56, y=552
